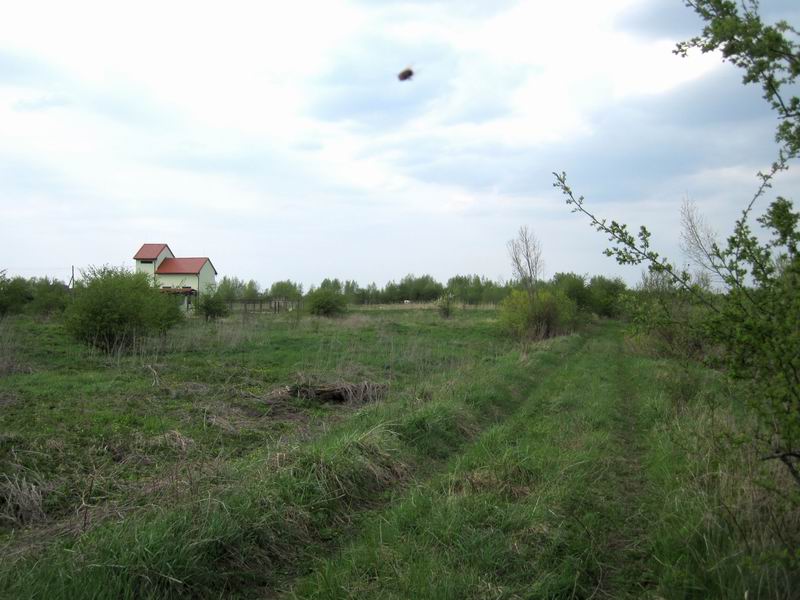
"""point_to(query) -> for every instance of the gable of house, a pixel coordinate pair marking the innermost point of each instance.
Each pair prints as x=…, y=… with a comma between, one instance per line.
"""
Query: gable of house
x=150, y=256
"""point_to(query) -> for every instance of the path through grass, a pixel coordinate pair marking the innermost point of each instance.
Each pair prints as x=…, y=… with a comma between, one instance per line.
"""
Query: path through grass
x=549, y=503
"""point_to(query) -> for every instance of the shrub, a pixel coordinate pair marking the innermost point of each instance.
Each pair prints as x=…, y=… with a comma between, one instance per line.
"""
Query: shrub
x=669, y=316
x=326, y=302
x=445, y=305
x=50, y=296
x=114, y=307
x=574, y=287
x=212, y=305
x=605, y=295
x=546, y=314
x=14, y=295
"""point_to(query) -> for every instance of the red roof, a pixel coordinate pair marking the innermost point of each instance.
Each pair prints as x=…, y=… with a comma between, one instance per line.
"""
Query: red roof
x=182, y=266
x=150, y=251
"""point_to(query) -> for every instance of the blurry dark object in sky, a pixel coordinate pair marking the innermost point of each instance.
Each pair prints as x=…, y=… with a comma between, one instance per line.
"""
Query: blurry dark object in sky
x=405, y=74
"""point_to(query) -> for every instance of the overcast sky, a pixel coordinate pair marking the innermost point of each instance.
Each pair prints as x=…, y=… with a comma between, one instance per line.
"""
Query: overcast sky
x=275, y=138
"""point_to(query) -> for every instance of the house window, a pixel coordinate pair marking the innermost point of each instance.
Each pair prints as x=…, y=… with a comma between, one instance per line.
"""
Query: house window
x=146, y=262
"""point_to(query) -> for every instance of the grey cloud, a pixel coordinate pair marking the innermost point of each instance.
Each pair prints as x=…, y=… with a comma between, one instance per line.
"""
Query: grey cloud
x=467, y=8
x=711, y=123
x=673, y=20
x=489, y=92
x=284, y=178
x=27, y=70
x=129, y=106
x=58, y=90
x=775, y=10
x=661, y=19
x=363, y=87
x=22, y=178
x=707, y=124
x=44, y=102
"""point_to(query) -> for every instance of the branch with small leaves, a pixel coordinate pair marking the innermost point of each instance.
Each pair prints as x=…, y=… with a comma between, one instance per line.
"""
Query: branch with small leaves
x=629, y=249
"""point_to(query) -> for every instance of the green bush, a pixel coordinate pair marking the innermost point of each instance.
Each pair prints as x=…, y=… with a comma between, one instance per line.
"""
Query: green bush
x=605, y=295
x=326, y=302
x=574, y=287
x=445, y=304
x=50, y=296
x=113, y=308
x=15, y=294
x=546, y=314
x=212, y=305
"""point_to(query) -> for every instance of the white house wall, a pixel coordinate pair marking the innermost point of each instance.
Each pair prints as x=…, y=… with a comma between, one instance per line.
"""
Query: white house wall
x=165, y=253
x=177, y=280
x=145, y=268
x=200, y=282
x=207, y=277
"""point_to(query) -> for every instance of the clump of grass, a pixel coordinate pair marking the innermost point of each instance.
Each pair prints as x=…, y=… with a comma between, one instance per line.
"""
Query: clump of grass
x=21, y=501
x=309, y=387
x=267, y=516
x=730, y=522
x=11, y=350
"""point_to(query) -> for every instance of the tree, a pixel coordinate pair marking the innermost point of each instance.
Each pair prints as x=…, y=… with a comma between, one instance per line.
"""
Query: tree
x=286, y=290
x=757, y=319
x=351, y=290
x=527, y=262
x=230, y=288
x=251, y=290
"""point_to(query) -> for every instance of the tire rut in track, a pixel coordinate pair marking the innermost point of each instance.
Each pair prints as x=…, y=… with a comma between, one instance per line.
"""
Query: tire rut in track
x=627, y=571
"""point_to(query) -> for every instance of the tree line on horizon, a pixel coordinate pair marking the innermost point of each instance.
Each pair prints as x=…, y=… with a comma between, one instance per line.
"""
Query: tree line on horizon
x=468, y=290
x=45, y=296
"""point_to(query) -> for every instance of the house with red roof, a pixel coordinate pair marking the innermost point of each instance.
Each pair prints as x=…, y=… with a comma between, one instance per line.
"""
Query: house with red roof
x=188, y=277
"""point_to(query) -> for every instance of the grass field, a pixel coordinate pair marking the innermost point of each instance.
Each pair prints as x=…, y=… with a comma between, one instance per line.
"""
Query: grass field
x=579, y=467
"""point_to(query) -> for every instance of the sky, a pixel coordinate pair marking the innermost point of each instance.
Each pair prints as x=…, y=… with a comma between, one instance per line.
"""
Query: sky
x=276, y=139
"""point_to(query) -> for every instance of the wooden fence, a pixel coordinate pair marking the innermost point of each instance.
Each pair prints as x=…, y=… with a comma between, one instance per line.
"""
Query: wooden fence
x=264, y=305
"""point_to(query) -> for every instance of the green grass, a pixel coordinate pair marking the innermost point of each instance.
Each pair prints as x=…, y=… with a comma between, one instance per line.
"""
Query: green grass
x=577, y=469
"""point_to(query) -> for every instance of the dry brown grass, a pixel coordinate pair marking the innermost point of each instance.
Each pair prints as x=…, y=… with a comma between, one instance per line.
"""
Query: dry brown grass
x=487, y=481
x=355, y=321
x=311, y=388
x=21, y=500
x=173, y=439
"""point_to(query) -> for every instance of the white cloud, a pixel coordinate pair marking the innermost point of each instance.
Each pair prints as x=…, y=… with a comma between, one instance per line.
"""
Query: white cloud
x=243, y=129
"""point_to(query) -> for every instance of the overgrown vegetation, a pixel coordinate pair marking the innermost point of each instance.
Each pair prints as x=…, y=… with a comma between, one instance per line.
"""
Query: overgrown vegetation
x=326, y=302
x=538, y=309
x=41, y=297
x=211, y=305
x=114, y=309
x=268, y=455
x=549, y=314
